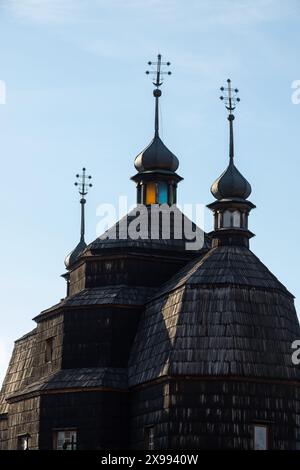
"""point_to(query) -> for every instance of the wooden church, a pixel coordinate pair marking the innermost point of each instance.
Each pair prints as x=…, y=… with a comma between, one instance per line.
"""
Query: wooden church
x=157, y=346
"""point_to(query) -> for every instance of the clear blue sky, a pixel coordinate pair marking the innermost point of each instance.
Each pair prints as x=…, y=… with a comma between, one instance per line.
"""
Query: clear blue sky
x=77, y=95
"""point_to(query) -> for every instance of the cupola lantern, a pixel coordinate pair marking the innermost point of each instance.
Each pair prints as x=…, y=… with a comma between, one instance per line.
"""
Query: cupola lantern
x=156, y=179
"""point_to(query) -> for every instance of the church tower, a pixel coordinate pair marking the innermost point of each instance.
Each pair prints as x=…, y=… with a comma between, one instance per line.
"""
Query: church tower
x=157, y=179
x=231, y=191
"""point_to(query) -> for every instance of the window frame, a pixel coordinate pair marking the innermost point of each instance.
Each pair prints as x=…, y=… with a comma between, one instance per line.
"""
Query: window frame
x=20, y=438
x=151, y=193
x=149, y=437
x=266, y=426
x=49, y=349
x=55, y=432
x=162, y=188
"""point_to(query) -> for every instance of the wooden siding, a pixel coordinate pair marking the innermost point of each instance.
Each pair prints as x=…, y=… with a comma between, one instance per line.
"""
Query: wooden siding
x=23, y=418
x=100, y=417
x=204, y=414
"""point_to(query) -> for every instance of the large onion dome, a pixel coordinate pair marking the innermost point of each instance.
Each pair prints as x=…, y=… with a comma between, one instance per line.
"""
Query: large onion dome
x=156, y=156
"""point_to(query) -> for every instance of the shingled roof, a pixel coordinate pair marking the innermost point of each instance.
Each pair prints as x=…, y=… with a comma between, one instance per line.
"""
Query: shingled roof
x=235, y=265
x=117, y=236
x=105, y=295
x=223, y=315
x=20, y=368
x=96, y=377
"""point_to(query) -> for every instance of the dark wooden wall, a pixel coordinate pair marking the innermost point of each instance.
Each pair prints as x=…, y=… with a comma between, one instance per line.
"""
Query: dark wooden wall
x=132, y=270
x=215, y=414
x=101, y=418
x=150, y=406
x=99, y=336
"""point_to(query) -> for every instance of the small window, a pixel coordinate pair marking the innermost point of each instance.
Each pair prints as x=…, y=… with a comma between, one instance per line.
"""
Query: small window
x=231, y=219
x=139, y=193
x=149, y=438
x=65, y=439
x=151, y=193
x=23, y=442
x=49, y=350
x=163, y=193
x=260, y=437
x=219, y=220
x=244, y=220
x=236, y=219
x=227, y=219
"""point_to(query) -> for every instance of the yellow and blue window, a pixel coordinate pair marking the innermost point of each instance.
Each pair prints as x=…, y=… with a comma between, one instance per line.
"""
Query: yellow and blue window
x=157, y=193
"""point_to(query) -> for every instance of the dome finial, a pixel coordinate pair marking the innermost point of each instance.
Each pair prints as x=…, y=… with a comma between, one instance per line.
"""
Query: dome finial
x=158, y=81
x=83, y=185
x=156, y=156
x=231, y=184
x=230, y=98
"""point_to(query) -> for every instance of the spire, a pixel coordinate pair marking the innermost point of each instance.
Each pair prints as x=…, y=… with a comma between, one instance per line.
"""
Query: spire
x=231, y=184
x=83, y=185
x=230, y=98
x=156, y=156
x=158, y=74
x=156, y=165
x=231, y=189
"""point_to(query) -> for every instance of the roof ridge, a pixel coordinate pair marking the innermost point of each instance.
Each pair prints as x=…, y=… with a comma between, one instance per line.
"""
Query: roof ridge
x=224, y=272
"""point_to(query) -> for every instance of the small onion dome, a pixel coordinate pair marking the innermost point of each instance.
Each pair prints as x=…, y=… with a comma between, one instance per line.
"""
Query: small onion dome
x=231, y=184
x=74, y=255
x=156, y=157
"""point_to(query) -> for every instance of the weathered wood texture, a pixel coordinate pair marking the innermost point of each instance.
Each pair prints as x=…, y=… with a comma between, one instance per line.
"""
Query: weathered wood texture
x=150, y=236
x=208, y=327
x=132, y=270
x=101, y=418
x=99, y=337
x=3, y=432
x=24, y=417
x=83, y=378
x=149, y=259
x=193, y=413
x=201, y=358
x=106, y=295
x=20, y=368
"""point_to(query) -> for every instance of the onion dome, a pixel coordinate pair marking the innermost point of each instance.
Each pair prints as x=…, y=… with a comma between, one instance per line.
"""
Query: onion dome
x=156, y=156
x=231, y=209
x=231, y=184
x=72, y=257
x=156, y=179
